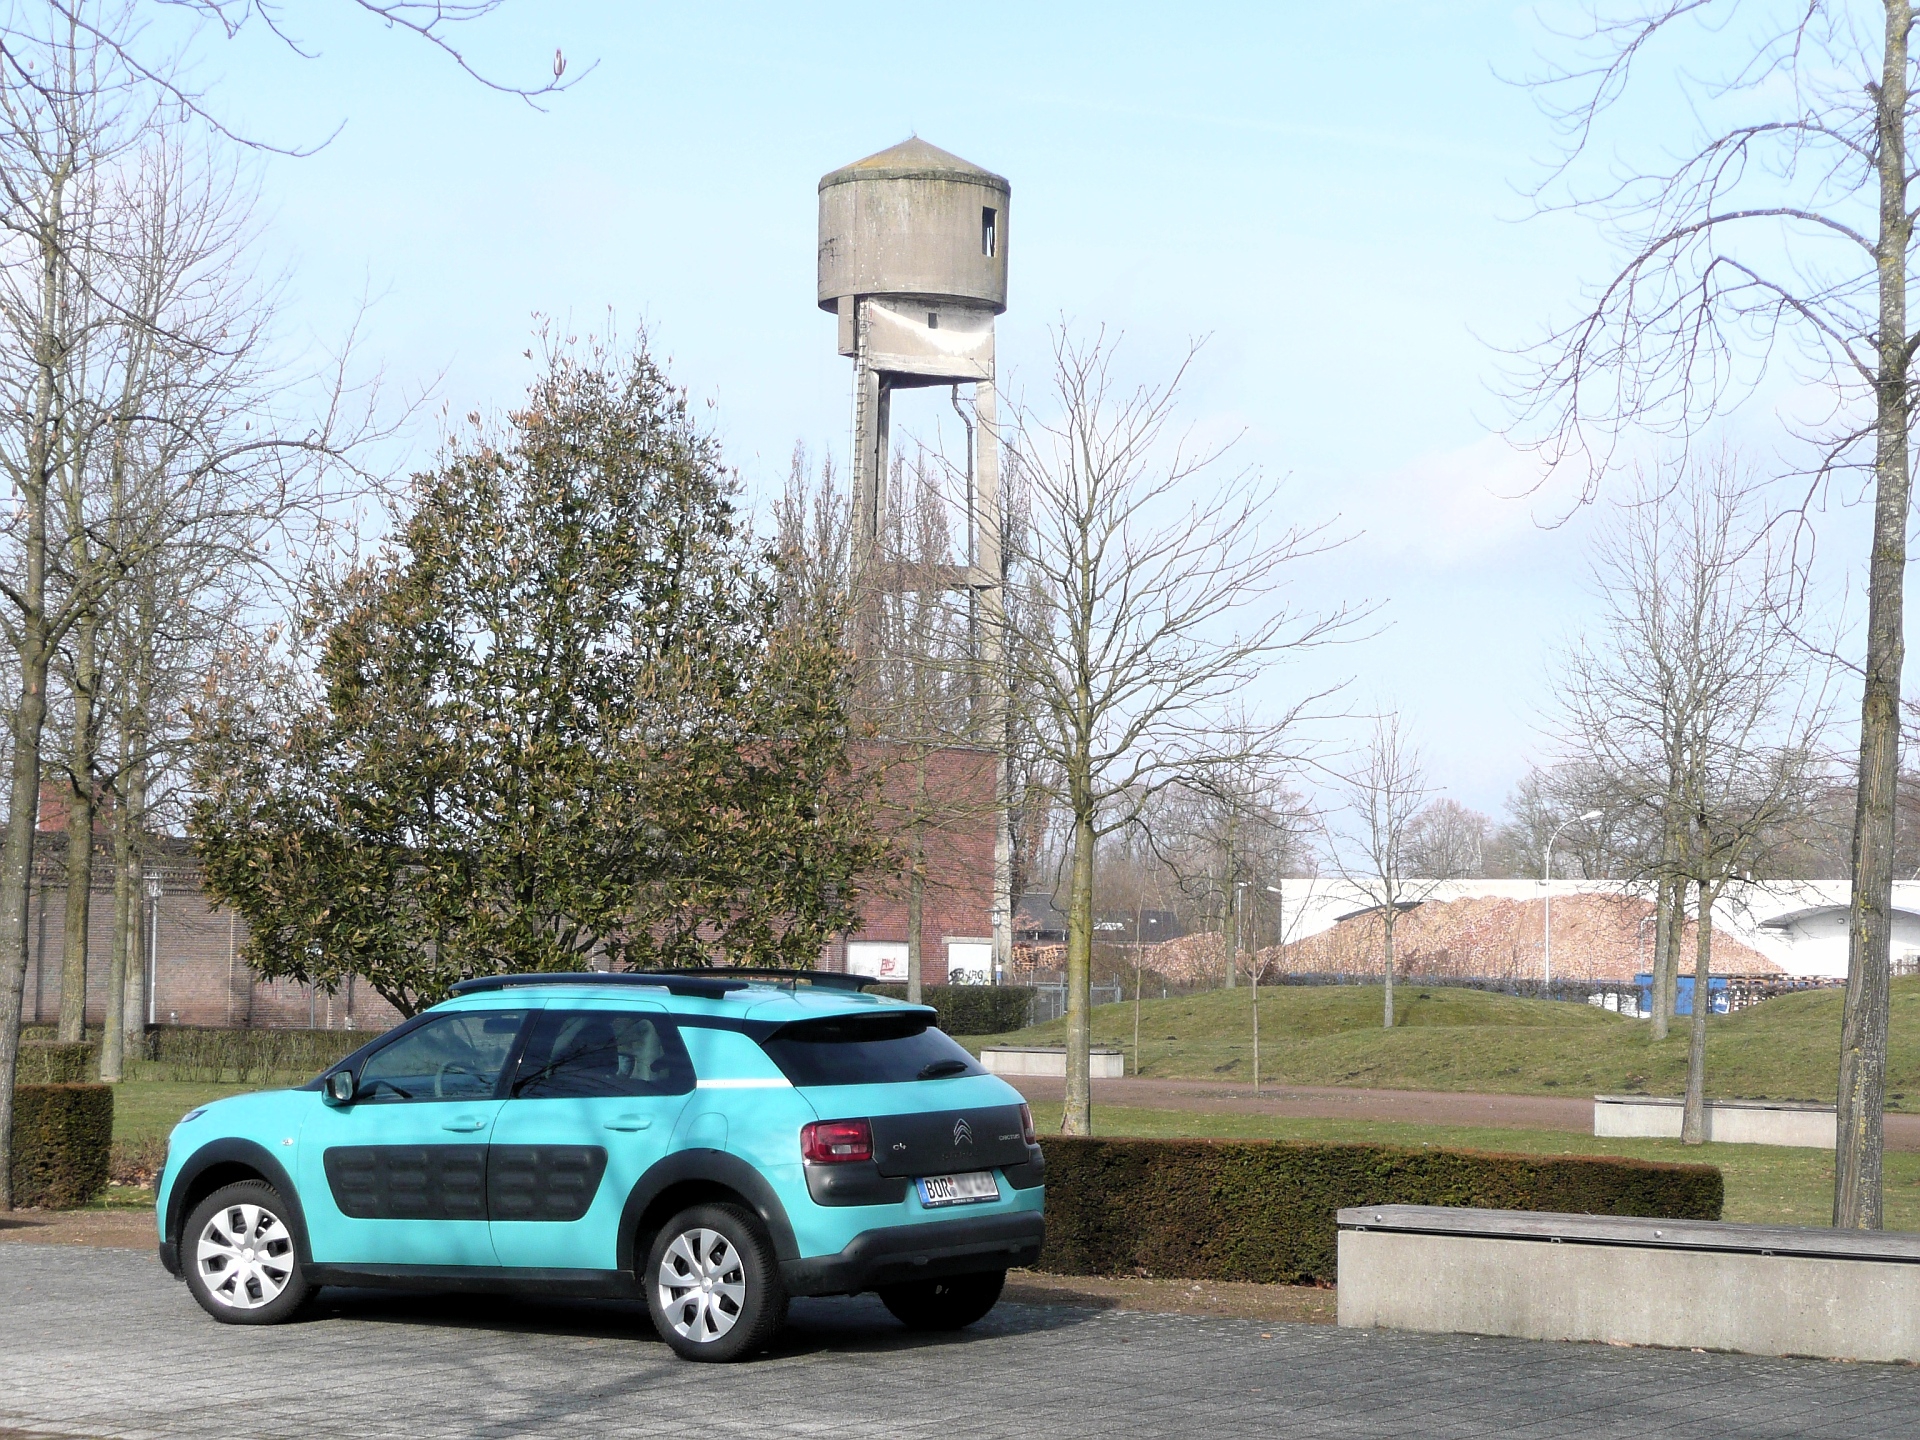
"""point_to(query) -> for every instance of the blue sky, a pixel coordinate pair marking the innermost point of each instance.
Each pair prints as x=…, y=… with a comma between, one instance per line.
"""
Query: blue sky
x=1332, y=194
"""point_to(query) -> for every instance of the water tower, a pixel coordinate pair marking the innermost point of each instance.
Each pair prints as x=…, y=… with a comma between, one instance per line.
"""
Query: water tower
x=913, y=261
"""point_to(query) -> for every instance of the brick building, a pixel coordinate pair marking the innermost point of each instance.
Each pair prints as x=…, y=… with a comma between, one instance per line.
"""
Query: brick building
x=956, y=917
x=190, y=948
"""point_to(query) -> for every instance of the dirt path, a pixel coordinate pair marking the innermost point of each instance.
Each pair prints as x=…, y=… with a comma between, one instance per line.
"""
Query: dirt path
x=111, y=1229
x=1334, y=1102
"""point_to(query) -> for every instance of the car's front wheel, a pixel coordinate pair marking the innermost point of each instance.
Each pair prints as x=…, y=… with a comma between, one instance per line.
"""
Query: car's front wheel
x=949, y=1304
x=239, y=1256
x=713, y=1285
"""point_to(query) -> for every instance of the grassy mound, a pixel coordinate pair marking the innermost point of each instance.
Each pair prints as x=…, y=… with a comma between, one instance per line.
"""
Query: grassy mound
x=1785, y=1049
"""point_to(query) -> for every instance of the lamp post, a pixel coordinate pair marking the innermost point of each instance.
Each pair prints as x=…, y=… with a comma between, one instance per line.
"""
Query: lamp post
x=1546, y=882
x=155, y=889
x=1280, y=938
x=1139, y=942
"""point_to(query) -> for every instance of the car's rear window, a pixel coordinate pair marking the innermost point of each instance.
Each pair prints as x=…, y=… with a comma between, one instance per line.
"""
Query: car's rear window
x=867, y=1050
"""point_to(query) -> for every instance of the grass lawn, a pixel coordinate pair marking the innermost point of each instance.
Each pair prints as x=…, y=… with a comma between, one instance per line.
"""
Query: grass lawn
x=145, y=1110
x=1766, y=1184
x=1447, y=1039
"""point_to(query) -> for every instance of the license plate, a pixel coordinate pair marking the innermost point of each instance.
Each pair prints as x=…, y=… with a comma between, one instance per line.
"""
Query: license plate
x=967, y=1189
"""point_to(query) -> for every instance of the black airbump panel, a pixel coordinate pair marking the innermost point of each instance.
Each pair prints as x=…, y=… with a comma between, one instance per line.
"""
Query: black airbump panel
x=409, y=1182
x=543, y=1182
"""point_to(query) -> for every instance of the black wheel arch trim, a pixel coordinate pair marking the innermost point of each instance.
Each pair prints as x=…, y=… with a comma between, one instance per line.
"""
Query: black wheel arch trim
x=231, y=1151
x=714, y=1167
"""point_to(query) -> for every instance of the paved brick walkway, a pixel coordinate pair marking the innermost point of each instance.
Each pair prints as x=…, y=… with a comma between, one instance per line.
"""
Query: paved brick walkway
x=101, y=1343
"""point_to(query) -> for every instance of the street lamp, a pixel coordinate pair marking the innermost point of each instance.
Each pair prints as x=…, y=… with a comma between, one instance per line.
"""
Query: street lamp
x=1139, y=942
x=1546, y=881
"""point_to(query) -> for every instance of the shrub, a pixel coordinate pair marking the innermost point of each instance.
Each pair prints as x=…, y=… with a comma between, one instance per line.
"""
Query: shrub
x=137, y=1162
x=1264, y=1210
x=47, y=1062
x=62, y=1137
x=971, y=1009
x=247, y=1056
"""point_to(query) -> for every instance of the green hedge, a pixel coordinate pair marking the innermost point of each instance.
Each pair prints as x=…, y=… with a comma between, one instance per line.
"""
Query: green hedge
x=1264, y=1210
x=62, y=1138
x=47, y=1062
x=971, y=1009
x=246, y=1056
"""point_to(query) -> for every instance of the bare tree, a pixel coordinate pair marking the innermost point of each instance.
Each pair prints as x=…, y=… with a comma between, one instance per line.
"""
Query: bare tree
x=1447, y=841
x=1697, y=706
x=1780, y=232
x=1385, y=793
x=144, y=419
x=1140, y=563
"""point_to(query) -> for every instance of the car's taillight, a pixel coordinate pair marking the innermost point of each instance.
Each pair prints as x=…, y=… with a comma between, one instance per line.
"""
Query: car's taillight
x=836, y=1142
x=1026, y=1126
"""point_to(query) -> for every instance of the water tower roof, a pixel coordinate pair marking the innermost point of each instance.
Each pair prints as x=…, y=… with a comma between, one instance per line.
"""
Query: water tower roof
x=912, y=159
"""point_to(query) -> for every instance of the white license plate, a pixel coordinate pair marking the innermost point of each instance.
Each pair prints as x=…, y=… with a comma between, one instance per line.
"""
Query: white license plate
x=968, y=1189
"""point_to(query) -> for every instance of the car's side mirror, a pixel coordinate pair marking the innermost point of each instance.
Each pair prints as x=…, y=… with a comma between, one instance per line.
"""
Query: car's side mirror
x=340, y=1087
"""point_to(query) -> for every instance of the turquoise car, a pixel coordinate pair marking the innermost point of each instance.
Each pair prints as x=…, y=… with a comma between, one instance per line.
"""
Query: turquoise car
x=712, y=1143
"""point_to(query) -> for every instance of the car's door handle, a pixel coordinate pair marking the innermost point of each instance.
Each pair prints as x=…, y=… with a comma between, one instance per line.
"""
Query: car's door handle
x=466, y=1122
x=629, y=1122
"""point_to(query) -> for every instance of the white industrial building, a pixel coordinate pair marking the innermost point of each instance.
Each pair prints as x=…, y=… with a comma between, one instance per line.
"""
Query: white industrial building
x=1801, y=926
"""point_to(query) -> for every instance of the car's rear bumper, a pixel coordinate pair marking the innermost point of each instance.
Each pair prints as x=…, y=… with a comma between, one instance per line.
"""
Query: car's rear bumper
x=920, y=1252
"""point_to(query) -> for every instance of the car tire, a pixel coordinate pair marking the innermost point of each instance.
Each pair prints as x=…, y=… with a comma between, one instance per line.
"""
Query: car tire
x=238, y=1255
x=712, y=1284
x=950, y=1304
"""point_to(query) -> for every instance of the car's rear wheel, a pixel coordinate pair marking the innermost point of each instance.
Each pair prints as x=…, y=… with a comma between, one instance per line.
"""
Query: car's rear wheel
x=712, y=1284
x=949, y=1304
x=239, y=1256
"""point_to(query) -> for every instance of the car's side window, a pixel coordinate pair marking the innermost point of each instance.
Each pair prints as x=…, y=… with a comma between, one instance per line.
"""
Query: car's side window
x=454, y=1057
x=583, y=1054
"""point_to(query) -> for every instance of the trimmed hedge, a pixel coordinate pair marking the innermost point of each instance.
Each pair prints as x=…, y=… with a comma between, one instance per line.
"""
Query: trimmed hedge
x=47, y=1062
x=971, y=1009
x=62, y=1138
x=1264, y=1210
x=249, y=1056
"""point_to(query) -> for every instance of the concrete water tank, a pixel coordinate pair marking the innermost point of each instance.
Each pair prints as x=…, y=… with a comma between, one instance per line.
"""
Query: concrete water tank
x=913, y=221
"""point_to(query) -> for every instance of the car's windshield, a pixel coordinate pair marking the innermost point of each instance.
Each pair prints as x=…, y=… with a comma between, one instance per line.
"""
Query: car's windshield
x=867, y=1050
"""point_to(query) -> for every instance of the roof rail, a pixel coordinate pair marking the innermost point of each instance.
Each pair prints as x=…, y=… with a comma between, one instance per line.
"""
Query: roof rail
x=819, y=979
x=674, y=982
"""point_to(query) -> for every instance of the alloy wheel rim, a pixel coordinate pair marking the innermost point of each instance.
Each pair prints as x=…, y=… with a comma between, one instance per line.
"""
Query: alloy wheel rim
x=703, y=1285
x=245, y=1256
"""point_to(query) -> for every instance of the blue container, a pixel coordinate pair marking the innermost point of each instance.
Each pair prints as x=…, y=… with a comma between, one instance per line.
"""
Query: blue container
x=1683, y=995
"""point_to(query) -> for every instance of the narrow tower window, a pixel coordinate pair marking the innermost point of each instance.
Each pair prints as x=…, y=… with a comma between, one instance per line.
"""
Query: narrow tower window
x=933, y=319
x=989, y=238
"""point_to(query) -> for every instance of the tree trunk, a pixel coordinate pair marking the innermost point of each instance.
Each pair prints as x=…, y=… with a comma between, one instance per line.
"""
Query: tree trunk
x=1693, y=1129
x=1077, y=1117
x=73, y=939
x=1863, y=1032
x=1389, y=915
x=35, y=650
x=917, y=880
x=1674, y=897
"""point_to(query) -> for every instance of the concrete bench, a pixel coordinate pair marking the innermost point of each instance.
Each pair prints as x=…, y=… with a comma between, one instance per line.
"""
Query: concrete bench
x=1737, y=1122
x=1050, y=1060
x=1759, y=1289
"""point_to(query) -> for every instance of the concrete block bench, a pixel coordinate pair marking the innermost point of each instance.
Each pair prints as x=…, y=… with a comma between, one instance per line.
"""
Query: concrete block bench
x=1738, y=1122
x=1759, y=1289
x=1050, y=1060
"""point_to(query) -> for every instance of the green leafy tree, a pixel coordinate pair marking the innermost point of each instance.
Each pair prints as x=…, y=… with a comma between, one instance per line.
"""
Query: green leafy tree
x=561, y=721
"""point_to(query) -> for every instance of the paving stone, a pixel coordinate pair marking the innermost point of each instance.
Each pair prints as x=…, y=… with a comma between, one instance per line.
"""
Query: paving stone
x=103, y=1343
